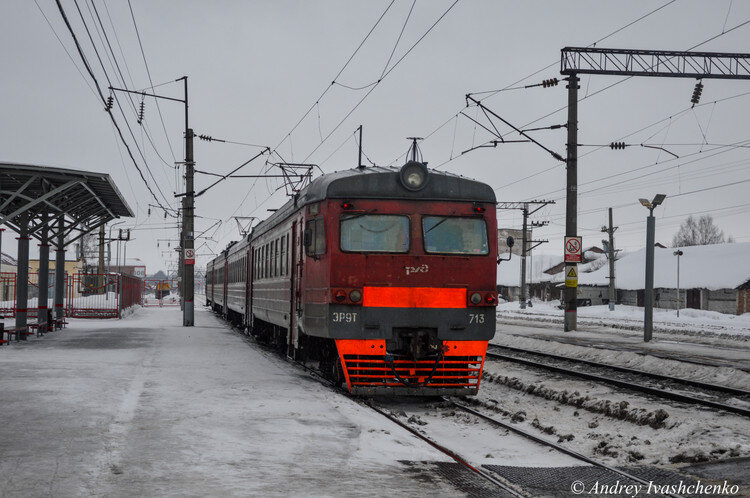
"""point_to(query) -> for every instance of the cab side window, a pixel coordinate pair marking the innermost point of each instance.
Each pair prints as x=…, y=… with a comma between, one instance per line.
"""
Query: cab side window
x=315, y=238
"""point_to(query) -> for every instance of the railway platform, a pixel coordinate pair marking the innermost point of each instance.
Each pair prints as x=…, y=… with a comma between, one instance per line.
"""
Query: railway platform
x=145, y=407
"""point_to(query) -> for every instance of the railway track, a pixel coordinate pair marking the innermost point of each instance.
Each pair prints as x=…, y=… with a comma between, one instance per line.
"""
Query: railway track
x=607, y=468
x=504, y=487
x=504, y=490
x=693, y=392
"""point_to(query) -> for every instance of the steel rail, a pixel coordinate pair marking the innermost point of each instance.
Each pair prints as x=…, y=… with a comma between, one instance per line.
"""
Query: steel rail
x=440, y=448
x=544, y=442
x=693, y=383
x=628, y=385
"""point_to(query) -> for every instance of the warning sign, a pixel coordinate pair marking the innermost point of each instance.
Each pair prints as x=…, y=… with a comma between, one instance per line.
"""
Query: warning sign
x=573, y=249
x=571, y=276
x=189, y=256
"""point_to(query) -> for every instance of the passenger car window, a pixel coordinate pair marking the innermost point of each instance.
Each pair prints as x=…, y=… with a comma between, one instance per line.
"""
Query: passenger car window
x=375, y=233
x=455, y=235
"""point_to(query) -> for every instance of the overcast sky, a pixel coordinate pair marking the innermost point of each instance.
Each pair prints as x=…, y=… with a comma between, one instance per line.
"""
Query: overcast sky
x=256, y=67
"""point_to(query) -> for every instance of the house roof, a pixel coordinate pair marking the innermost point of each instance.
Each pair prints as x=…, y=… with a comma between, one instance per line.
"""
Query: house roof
x=717, y=266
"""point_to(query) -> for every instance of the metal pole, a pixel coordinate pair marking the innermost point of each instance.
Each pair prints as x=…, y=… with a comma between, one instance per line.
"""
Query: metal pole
x=523, y=256
x=679, y=253
x=571, y=203
x=101, y=257
x=22, y=282
x=648, y=314
x=360, y=147
x=612, y=291
x=60, y=269
x=43, y=279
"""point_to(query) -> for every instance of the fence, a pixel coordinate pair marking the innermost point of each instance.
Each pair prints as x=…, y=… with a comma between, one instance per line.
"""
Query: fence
x=87, y=295
x=102, y=295
x=131, y=291
x=161, y=292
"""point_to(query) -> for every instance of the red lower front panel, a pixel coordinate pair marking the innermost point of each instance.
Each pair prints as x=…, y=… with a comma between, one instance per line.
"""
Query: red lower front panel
x=369, y=370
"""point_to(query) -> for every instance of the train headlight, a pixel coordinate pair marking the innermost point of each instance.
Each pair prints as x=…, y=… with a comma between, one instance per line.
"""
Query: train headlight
x=413, y=176
x=490, y=298
x=355, y=296
x=476, y=298
x=339, y=295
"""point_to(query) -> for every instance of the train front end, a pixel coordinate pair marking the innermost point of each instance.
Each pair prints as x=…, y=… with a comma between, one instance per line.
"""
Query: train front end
x=413, y=284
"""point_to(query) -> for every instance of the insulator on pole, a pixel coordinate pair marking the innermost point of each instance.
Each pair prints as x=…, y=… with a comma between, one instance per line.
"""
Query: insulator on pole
x=550, y=82
x=140, y=112
x=110, y=103
x=205, y=137
x=697, y=91
x=617, y=145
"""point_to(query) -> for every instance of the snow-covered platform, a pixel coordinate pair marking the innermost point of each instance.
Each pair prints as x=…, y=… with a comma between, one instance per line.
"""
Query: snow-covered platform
x=143, y=407
x=696, y=338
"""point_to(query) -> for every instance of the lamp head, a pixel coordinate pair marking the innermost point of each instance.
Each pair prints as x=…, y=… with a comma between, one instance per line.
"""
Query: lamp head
x=658, y=199
x=645, y=203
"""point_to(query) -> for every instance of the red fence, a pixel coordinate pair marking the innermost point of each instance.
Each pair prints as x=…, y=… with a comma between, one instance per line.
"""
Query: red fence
x=131, y=291
x=87, y=295
x=93, y=295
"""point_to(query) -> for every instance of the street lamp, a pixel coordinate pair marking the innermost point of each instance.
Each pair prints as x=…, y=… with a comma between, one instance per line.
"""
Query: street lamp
x=678, y=253
x=648, y=313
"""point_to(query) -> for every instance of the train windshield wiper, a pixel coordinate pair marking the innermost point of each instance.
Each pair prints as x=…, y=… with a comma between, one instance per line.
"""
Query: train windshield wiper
x=433, y=227
x=354, y=216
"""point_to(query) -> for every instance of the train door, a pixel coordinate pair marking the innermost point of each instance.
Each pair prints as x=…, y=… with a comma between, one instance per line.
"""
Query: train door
x=293, y=290
x=225, y=281
x=249, y=270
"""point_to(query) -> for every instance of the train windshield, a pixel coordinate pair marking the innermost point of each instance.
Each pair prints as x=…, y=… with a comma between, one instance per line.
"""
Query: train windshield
x=375, y=233
x=453, y=235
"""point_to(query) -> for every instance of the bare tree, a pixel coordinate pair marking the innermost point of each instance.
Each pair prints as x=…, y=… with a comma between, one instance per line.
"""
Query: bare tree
x=698, y=232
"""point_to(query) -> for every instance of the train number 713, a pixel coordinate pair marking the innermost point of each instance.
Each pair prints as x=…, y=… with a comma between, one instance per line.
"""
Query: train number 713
x=476, y=317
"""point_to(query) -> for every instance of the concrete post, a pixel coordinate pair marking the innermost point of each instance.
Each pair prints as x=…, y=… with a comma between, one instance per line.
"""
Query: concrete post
x=60, y=270
x=571, y=199
x=188, y=275
x=22, y=282
x=612, y=289
x=648, y=312
x=43, y=280
x=524, y=243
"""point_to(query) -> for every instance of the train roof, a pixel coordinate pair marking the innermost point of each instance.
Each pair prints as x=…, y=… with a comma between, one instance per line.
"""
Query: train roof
x=383, y=183
x=379, y=182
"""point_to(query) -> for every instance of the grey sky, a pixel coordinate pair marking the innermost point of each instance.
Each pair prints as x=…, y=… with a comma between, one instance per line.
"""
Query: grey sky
x=254, y=68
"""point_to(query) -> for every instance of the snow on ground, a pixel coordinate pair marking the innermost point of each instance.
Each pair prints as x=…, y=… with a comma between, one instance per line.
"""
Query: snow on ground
x=617, y=338
x=697, y=322
x=609, y=424
x=142, y=407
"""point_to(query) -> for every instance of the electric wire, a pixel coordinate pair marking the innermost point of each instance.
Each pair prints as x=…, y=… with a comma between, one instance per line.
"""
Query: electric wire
x=106, y=75
x=103, y=100
x=148, y=73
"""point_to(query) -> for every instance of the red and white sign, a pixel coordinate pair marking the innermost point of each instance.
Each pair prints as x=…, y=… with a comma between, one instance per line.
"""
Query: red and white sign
x=189, y=256
x=573, y=249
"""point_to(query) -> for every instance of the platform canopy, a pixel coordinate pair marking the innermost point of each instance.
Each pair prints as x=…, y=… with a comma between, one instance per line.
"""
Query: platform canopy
x=40, y=195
